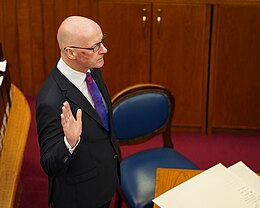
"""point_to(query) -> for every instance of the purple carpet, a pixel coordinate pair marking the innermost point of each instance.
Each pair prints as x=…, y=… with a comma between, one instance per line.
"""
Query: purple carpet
x=204, y=150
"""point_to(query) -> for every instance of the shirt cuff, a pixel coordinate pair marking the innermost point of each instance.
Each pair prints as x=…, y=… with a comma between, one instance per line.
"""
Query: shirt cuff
x=68, y=145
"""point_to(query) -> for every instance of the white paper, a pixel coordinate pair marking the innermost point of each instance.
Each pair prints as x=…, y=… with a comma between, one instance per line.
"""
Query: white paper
x=3, y=65
x=246, y=174
x=216, y=187
x=1, y=80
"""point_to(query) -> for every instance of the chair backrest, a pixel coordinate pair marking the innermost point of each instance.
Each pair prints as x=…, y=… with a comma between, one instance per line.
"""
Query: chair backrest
x=142, y=111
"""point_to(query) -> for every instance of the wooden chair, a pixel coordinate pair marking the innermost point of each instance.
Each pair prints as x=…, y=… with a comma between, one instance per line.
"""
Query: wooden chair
x=141, y=112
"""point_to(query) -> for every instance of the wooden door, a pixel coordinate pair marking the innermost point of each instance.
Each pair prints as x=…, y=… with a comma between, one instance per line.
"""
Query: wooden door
x=234, y=101
x=127, y=27
x=180, y=44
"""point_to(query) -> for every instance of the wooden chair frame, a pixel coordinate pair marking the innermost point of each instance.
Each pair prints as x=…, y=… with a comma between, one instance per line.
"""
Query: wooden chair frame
x=165, y=130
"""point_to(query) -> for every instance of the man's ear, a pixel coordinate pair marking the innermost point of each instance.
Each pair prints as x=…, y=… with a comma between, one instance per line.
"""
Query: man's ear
x=70, y=53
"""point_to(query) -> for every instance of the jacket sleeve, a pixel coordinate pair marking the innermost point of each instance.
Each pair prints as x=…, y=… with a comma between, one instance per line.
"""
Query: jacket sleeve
x=54, y=155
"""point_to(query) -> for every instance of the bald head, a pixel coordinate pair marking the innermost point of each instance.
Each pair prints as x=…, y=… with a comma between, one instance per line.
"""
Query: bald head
x=75, y=29
x=77, y=37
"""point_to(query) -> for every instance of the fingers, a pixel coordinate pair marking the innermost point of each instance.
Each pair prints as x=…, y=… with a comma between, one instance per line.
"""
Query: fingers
x=79, y=115
x=72, y=127
x=67, y=113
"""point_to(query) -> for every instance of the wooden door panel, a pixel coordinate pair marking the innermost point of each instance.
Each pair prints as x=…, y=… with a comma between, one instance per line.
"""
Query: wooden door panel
x=28, y=35
x=128, y=43
x=235, y=63
x=179, y=58
x=9, y=38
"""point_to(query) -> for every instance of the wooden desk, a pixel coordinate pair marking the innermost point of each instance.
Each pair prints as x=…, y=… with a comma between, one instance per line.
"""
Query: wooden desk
x=167, y=178
x=11, y=157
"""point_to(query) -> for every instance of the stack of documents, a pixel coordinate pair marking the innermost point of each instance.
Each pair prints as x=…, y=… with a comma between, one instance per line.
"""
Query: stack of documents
x=218, y=187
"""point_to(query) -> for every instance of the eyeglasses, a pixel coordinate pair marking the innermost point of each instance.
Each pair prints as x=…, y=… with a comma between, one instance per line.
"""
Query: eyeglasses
x=94, y=49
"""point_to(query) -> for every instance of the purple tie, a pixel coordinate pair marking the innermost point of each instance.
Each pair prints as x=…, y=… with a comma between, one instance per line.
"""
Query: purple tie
x=97, y=99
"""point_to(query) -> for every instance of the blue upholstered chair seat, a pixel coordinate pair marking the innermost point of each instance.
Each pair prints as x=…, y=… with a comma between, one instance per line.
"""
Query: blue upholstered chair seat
x=139, y=171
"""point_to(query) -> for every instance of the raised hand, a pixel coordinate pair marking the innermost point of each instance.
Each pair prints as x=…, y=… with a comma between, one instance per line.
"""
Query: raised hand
x=72, y=127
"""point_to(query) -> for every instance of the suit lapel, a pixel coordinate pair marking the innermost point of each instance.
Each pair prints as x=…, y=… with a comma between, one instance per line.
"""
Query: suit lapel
x=73, y=94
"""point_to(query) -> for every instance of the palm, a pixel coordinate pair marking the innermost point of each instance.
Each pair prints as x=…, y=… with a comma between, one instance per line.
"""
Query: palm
x=72, y=127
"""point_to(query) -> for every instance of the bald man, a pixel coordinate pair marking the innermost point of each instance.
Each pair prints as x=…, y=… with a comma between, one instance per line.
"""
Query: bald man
x=78, y=151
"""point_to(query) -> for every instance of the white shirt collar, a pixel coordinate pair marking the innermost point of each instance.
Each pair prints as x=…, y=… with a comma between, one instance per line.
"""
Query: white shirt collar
x=76, y=77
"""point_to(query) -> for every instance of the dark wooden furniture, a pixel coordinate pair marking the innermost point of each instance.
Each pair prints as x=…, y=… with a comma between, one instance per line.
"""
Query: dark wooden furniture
x=162, y=43
x=234, y=93
x=205, y=52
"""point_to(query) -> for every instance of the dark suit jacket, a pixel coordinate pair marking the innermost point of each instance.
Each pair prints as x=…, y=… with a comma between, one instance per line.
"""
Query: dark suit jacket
x=86, y=178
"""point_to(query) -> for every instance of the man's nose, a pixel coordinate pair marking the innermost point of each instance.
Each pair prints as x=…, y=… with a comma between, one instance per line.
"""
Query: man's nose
x=103, y=49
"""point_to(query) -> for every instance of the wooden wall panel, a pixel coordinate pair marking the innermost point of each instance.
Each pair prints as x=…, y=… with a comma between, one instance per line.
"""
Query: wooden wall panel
x=24, y=40
x=235, y=62
x=9, y=38
x=128, y=42
x=28, y=34
x=49, y=36
x=180, y=46
x=1, y=21
x=37, y=70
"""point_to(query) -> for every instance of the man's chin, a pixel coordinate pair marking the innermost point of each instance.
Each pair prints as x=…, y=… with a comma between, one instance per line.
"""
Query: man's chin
x=100, y=63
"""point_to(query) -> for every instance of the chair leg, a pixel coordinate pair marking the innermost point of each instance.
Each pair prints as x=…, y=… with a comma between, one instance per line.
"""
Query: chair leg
x=118, y=200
